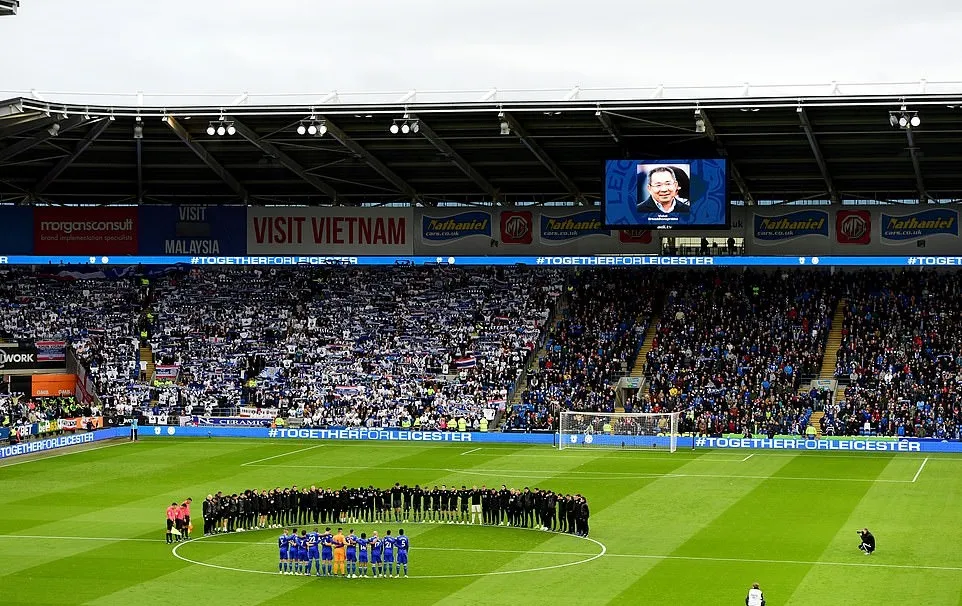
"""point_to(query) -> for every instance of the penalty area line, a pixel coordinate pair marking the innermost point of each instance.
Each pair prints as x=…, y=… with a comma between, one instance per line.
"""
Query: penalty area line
x=470, y=451
x=284, y=454
x=921, y=467
x=748, y=457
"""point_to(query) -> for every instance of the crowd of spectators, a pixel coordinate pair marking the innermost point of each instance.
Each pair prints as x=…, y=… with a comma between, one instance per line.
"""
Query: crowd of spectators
x=97, y=318
x=411, y=346
x=732, y=346
x=901, y=355
x=595, y=341
x=443, y=347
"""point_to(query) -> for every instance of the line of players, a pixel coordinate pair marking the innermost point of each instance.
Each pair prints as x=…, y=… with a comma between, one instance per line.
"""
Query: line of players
x=337, y=555
x=286, y=507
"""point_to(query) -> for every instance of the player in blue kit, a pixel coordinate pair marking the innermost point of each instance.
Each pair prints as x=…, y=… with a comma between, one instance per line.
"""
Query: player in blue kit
x=327, y=553
x=302, y=557
x=313, y=555
x=362, y=555
x=292, y=565
x=375, y=543
x=387, y=548
x=403, y=544
x=282, y=546
x=351, y=540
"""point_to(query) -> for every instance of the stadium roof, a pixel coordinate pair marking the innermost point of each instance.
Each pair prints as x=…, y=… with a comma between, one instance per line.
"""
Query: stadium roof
x=829, y=142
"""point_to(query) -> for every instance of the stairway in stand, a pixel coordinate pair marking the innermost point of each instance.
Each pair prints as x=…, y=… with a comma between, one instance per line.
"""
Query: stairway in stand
x=833, y=342
x=816, y=421
x=147, y=354
x=639, y=368
x=559, y=312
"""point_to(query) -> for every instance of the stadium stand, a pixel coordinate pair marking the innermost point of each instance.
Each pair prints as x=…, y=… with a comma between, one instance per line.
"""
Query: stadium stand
x=418, y=347
x=593, y=343
x=733, y=346
x=900, y=355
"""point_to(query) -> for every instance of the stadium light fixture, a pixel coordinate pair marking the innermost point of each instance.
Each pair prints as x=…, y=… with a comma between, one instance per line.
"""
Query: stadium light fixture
x=221, y=130
x=312, y=127
x=699, y=122
x=395, y=129
x=211, y=129
x=415, y=127
x=54, y=129
x=139, y=130
x=904, y=119
x=230, y=128
x=405, y=128
x=505, y=126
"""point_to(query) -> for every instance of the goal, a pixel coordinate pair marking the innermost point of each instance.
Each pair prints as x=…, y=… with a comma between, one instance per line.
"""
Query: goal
x=618, y=430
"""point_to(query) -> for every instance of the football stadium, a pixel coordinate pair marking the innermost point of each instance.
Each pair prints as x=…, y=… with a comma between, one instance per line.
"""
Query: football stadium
x=665, y=345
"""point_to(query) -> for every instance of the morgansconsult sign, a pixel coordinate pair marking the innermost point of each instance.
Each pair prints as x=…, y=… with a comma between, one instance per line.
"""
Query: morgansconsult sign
x=85, y=231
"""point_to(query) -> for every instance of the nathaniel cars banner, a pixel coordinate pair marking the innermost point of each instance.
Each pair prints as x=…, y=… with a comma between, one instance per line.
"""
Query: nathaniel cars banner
x=338, y=230
x=524, y=232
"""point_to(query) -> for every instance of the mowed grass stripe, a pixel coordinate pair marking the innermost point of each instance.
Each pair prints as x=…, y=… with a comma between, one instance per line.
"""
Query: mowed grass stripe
x=355, y=465
x=661, y=515
x=603, y=499
x=796, y=523
x=912, y=524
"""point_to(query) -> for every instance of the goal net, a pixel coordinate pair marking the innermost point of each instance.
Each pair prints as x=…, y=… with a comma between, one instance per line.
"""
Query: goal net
x=618, y=430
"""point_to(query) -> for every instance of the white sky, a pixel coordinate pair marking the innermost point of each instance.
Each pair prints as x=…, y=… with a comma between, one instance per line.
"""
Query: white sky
x=196, y=46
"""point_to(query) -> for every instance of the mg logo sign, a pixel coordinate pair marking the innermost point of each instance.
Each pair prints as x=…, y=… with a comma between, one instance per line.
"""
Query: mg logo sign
x=516, y=227
x=853, y=227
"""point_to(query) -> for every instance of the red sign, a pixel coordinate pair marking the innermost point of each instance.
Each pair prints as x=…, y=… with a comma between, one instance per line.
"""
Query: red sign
x=517, y=227
x=853, y=227
x=85, y=231
x=635, y=236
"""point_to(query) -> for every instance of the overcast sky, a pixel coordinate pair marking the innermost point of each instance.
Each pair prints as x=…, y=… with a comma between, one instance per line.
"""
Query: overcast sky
x=263, y=46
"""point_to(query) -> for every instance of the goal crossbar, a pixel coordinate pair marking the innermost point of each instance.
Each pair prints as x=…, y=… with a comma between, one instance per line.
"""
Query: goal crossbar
x=627, y=430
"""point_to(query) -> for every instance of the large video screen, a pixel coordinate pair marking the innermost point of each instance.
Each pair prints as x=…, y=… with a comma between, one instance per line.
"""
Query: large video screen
x=666, y=194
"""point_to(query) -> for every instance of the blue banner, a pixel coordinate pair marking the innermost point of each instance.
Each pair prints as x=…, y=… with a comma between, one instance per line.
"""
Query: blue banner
x=437, y=230
x=791, y=225
x=558, y=230
x=192, y=230
x=17, y=222
x=920, y=225
x=36, y=446
x=557, y=261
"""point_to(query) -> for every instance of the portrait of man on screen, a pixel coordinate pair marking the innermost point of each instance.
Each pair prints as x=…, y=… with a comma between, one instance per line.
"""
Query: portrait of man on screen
x=661, y=189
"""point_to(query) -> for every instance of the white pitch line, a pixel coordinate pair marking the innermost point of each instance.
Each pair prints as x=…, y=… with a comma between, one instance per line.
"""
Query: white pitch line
x=282, y=455
x=921, y=467
x=594, y=475
x=105, y=539
x=470, y=451
x=62, y=454
x=604, y=553
x=748, y=457
x=798, y=562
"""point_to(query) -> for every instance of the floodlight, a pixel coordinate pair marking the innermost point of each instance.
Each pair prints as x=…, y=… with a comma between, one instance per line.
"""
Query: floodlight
x=915, y=121
x=301, y=129
x=405, y=128
x=394, y=129
x=903, y=121
x=322, y=129
x=221, y=130
x=312, y=129
x=211, y=130
x=231, y=129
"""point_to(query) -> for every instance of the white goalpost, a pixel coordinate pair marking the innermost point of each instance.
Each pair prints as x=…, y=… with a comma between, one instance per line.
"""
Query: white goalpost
x=649, y=430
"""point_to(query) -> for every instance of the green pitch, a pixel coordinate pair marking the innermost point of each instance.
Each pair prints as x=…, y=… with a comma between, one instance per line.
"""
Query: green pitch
x=686, y=528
